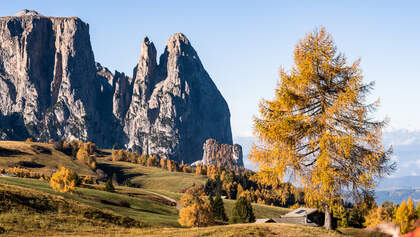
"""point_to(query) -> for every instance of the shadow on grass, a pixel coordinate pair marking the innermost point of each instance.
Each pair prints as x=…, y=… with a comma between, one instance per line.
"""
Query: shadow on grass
x=121, y=176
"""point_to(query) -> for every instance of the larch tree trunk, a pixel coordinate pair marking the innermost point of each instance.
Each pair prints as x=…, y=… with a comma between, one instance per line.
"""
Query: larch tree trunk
x=328, y=219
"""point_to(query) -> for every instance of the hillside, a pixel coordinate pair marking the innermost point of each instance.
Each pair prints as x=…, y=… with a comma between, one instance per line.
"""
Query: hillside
x=35, y=207
x=39, y=157
x=95, y=213
x=150, y=177
x=149, y=203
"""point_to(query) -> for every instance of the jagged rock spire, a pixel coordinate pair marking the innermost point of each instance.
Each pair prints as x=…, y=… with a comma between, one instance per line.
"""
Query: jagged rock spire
x=182, y=105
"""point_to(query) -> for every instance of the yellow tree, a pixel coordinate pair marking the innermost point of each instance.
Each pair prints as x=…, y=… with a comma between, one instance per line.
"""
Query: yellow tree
x=318, y=128
x=163, y=163
x=377, y=216
x=418, y=210
x=198, y=169
x=196, y=209
x=169, y=165
x=64, y=180
x=402, y=217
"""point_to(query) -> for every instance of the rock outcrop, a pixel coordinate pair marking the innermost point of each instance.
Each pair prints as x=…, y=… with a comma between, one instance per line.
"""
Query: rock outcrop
x=48, y=79
x=226, y=155
x=182, y=105
x=51, y=87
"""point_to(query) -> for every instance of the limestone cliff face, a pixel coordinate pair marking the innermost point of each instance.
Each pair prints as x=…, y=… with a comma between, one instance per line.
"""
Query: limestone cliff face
x=176, y=106
x=229, y=156
x=51, y=87
x=45, y=63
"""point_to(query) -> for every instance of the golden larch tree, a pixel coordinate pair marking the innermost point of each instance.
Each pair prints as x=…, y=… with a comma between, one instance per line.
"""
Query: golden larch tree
x=196, y=209
x=318, y=131
x=64, y=180
x=377, y=216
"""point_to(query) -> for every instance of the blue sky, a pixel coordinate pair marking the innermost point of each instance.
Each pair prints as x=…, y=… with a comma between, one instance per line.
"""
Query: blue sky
x=243, y=43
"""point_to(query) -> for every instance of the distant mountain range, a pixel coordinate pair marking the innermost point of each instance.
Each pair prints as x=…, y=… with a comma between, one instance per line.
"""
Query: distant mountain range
x=400, y=185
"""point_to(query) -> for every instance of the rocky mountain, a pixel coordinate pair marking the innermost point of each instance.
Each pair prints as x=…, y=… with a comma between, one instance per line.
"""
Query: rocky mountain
x=214, y=153
x=48, y=82
x=175, y=105
x=51, y=87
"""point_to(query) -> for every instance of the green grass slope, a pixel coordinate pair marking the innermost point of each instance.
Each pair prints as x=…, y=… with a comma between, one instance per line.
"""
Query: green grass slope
x=144, y=206
x=155, y=214
x=151, y=177
x=12, y=152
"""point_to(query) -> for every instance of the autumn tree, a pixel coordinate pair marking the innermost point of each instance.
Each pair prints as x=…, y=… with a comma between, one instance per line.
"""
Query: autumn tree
x=401, y=217
x=318, y=130
x=64, y=180
x=196, y=209
x=84, y=156
x=152, y=161
x=418, y=210
x=198, y=169
x=163, y=163
x=406, y=216
x=169, y=165
x=377, y=216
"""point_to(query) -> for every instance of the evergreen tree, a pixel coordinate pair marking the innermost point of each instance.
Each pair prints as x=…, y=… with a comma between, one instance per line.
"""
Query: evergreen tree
x=109, y=187
x=114, y=179
x=319, y=129
x=218, y=208
x=242, y=211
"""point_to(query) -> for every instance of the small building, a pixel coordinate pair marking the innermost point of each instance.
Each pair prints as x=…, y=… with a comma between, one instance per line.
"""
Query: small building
x=303, y=216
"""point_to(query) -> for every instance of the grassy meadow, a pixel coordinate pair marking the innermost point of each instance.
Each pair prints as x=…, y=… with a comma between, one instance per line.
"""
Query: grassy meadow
x=31, y=206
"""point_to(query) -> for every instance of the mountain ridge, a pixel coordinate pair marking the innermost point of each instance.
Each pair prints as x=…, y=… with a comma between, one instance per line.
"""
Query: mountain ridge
x=52, y=88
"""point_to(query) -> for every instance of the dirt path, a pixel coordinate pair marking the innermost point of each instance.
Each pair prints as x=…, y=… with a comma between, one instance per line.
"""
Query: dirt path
x=178, y=205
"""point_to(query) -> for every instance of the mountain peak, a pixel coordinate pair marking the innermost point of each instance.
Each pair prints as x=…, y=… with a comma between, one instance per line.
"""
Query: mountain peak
x=180, y=38
x=26, y=12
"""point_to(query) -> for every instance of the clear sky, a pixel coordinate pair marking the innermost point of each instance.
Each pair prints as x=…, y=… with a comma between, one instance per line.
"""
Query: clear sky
x=243, y=43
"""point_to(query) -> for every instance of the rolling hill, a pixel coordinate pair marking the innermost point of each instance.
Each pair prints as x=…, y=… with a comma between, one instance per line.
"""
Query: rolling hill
x=30, y=206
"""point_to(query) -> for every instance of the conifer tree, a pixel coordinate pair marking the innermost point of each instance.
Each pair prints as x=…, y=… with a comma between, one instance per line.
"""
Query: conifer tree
x=109, y=187
x=169, y=165
x=318, y=128
x=163, y=163
x=418, y=210
x=198, y=169
x=402, y=218
x=377, y=216
x=242, y=212
x=218, y=208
